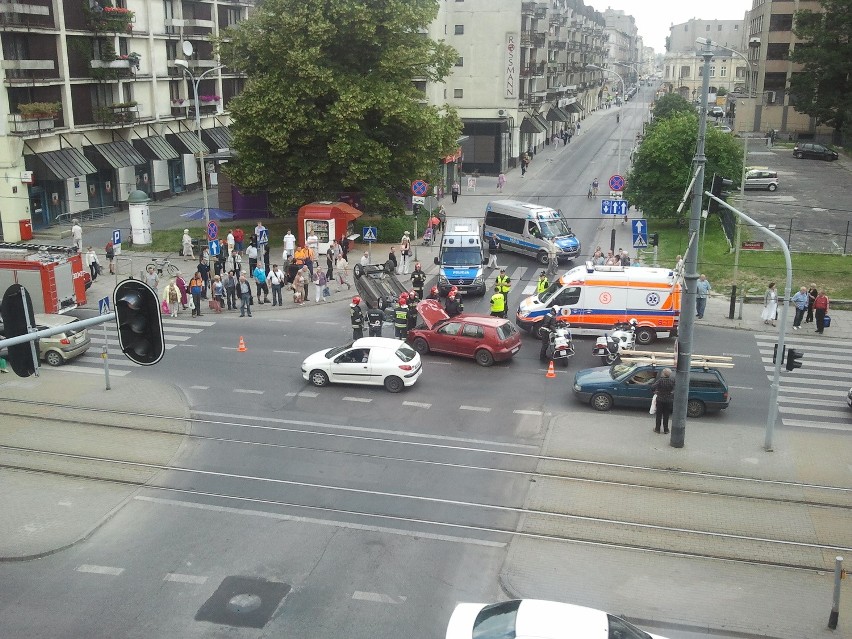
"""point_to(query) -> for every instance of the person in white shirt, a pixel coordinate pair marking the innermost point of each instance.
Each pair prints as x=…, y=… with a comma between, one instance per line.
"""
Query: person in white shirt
x=313, y=243
x=231, y=242
x=289, y=244
x=405, y=252
x=186, y=243
x=93, y=263
x=77, y=235
x=342, y=267
x=276, y=281
x=251, y=253
x=365, y=259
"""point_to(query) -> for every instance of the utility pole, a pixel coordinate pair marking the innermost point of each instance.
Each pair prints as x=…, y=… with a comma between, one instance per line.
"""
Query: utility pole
x=688, y=296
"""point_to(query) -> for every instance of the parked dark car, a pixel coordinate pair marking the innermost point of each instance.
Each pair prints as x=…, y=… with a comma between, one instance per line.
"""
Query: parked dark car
x=625, y=384
x=814, y=151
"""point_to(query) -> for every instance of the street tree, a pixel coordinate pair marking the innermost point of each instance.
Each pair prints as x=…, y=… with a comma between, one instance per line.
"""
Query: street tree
x=823, y=88
x=329, y=103
x=662, y=165
x=671, y=104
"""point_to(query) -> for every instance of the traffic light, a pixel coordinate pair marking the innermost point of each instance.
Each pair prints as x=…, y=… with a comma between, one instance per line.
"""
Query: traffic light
x=654, y=239
x=139, y=322
x=793, y=357
x=15, y=309
x=717, y=188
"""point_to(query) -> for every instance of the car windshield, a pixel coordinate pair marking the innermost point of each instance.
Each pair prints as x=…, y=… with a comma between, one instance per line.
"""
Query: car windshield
x=458, y=256
x=337, y=350
x=621, y=629
x=551, y=290
x=496, y=621
x=405, y=353
x=619, y=370
x=554, y=228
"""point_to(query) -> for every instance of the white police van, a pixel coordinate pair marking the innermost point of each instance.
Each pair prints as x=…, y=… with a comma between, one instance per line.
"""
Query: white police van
x=461, y=258
x=527, y=228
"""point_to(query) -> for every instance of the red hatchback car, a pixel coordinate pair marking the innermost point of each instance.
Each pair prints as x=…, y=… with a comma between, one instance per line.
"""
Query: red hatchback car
x=486, y=339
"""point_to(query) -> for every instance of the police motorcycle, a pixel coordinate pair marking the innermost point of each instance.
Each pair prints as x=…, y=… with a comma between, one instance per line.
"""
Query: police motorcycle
x=560, y=344
x=622, y=338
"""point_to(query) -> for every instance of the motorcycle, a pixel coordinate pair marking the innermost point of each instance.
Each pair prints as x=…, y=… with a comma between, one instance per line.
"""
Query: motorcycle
x=610, y=346
x=560, y=344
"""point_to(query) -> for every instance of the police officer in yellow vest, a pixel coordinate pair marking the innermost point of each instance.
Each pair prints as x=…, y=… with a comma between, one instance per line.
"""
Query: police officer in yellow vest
x=498, y=303
x=542, y=284
x=503, y=284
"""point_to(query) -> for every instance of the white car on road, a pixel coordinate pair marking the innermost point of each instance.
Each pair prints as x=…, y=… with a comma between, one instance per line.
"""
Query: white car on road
x=538, y=619
x=378, y=361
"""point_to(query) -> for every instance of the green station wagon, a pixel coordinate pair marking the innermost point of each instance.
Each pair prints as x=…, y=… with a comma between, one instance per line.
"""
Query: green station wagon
x=626, y=384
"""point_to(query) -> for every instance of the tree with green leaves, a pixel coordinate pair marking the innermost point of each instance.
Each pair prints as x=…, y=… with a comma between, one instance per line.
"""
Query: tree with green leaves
x=330, y=105
x=670, y=104
x=662, y=166
x=823, y=89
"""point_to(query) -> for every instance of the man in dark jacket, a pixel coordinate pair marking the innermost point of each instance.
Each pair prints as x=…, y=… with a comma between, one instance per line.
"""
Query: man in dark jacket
x=453, y=306
x=418, y=280
x=664, y=389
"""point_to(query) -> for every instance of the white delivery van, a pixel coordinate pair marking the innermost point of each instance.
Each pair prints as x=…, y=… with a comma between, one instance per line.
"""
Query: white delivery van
x=526, y=229
x=460, y=260
x=594, y=298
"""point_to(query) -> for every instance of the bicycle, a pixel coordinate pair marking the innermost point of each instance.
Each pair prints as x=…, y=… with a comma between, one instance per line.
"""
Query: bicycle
x=162, y=265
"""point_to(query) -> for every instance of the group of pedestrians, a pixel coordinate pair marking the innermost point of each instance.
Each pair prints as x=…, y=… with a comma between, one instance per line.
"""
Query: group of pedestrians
x=812, y=305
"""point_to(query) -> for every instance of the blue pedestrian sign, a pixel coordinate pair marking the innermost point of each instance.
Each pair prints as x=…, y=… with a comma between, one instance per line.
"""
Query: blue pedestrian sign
x=369, y=233
x=212, y=230
x=614, y=207
x=640, y=233
x=263, y=238
x=213, y=246
x=103, y=306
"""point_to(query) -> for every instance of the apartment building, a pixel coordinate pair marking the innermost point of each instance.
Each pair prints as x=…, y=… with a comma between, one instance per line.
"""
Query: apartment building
x=520, y=76
x=625, y=50
x=94, y=106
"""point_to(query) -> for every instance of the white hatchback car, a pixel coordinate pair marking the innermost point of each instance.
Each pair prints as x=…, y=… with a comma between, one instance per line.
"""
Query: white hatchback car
x=378, y=361
x=539, y=619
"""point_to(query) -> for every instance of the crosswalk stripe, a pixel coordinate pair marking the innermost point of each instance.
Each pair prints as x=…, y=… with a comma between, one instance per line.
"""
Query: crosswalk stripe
x=807, y=412
x=811, y=381
x=93, y=371
x=837, y=351
x=811, y=369
x=823, y=403
x=826, y=341
x=812, y=391
x=822, y=364
x=803, y=423
x=529, y=290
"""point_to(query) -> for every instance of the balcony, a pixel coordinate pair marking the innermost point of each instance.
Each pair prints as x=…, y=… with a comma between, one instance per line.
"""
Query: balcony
x=528, y=8
x=120, y=114
x=116, y=19
x=533, y=39
x=24, y=8
x=532, y=70
x=184, y=22
x=24, y=126
x=112, y=64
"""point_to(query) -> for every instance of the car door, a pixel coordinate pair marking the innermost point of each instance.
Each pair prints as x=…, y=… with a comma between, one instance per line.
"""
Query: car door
x=446, y=338
x=635, y=389
x=352, y=366
x=470, y=339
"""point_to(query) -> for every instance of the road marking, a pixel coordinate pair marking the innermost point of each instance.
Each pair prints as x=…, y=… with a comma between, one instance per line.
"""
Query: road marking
x=184, y=579
x=746, y=355
x=529, y=290
x=329, y=323
x=807, y=424
x=167, y=321
x=99, y=570
x=823, y=403
x=819, y=364
x=287, y=352
x=200, y=387
x=809, y=412
x=811, y=369
x=417, y=404
x=94, y=371
x=229, y=348
x=323, y=522
x=64, y=503
x=307, y=394
x=742, y=387
x=480, y=409
x=248, y=391
x=528, y=412
x=377, y=597
x=440, y=363
x=279, y=320
x=808, y=391
x=357, y=399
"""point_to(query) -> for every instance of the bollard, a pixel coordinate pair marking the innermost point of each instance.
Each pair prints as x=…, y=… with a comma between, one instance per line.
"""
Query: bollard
x=835, y=602
x=733, y=306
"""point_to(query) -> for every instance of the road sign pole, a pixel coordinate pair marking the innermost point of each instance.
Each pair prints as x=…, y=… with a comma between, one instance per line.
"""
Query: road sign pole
x=105, y=357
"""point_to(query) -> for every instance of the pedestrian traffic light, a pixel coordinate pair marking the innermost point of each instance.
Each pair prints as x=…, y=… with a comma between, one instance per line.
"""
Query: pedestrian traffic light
x=717, y=188
x=654, y=239
x=793, y=357
x=139, y=322
x=15, y=309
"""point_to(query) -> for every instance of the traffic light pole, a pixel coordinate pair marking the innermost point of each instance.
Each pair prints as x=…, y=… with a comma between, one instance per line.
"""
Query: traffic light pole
x=782, y=320
x=49, y=332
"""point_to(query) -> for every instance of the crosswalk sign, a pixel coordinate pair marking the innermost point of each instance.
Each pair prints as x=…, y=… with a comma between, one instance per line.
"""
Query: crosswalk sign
x=369, y=233
x=640, y=233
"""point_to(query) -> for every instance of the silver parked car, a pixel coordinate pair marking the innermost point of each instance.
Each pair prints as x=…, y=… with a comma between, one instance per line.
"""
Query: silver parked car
x=761, y=177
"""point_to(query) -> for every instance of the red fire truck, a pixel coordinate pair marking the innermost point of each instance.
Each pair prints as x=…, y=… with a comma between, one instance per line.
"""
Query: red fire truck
x=54, y=276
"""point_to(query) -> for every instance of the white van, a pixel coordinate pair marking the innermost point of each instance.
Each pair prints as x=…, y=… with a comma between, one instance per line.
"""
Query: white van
x=523, y=228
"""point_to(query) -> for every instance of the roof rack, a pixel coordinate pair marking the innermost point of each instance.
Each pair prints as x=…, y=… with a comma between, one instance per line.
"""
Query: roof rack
x=668, y=359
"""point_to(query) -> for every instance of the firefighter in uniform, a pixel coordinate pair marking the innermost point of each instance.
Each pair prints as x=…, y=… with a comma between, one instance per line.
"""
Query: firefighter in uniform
x=356, y=317
x=400, y=317
x=418, y=280
x=453, y=306
x=375, y=319
x=504, y=284
x=498, y=304
x=412, y=310
x=433, y=294
x=542, y=284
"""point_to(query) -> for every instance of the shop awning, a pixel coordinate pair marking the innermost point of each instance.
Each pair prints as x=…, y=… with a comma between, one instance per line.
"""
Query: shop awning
x=155, y=147
x=118, y=154
x=542, y=122
x=189, y=141
x=531, y=125
x=558, y=115
x=218, y=137
x=65, y=164
x=574, y=107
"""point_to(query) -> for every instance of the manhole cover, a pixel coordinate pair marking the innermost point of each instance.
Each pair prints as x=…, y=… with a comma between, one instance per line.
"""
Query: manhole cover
x=243, y=601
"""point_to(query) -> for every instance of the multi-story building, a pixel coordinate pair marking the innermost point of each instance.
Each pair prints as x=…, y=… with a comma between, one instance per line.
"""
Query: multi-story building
x=520, y=77
x=94, y=106
x=624, y=46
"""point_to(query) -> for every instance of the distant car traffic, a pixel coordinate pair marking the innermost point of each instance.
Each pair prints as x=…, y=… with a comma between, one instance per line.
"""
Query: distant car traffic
x=724, y=128
x=486, y=339
x=814, y=151
x=761, y=177
x=627, y=384
x=377, y=361
x=526, y=618
x=717, y=112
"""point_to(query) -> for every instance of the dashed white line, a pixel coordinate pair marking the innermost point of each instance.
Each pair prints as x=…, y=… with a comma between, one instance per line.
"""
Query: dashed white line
x=417, y=404
x=365, y=400
x=307, y=394
x=184, y=579
x=287, y=352
x=248, y=391
x=527, y=412
x=328, y=323
x=480, y=409
x=99, y=570
x=377, y=597
x=200, y=387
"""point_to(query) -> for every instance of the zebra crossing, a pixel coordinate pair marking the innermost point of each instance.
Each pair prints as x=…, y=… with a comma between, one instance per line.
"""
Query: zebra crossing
x=813, y=396
x=175, y=331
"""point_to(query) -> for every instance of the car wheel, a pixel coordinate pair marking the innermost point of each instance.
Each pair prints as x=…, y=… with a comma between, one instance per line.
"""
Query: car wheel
x=53, y=358
x=798, y=155
x=318, y=378
x=394, y=384
x=772, y=187
x=695, y=408
x=601, y=401
x=420, y=345
x=359, y=271
x=542, y=258
x=645, y=336
x=484, y=358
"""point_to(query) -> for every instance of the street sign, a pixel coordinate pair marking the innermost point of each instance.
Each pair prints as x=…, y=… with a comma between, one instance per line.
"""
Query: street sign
x=418, y=199
x=614, y=207
x=616, y=182
x=116, y=237
x=640, y=233
x=369, y=233
x=213, y=246
x=419, y=187
x=103, y=306
x=263, y=238
x=212, y=230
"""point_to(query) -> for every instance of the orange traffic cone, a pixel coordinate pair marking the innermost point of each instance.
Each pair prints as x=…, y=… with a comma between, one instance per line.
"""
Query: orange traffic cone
x=550, y=372
x=242, y=349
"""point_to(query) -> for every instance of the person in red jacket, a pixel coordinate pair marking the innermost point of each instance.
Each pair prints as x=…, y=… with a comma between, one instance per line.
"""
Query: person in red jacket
x=820, y=310
x=239, y=238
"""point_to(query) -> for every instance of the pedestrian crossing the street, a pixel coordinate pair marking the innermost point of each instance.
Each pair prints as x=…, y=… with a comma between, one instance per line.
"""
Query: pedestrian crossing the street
x=175, y=331
x=813, y=396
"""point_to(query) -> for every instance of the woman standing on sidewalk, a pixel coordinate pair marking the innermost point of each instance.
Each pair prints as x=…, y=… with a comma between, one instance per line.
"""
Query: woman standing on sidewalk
x=770, y=305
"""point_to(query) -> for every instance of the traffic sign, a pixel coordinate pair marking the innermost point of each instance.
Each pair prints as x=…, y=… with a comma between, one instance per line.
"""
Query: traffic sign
x=103, y=305
x=369, y=233
x=419, y=187
x=212, y=230
x=640, y=233
x=614, y=207
x=418, y=199
x=616, y=182
x=263, y=238
x=116, y=237
x=213, y=246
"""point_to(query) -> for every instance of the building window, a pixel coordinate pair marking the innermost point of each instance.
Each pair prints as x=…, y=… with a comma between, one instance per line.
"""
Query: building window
x=712, y=70
x=736, y=27
x=459, y=29
x=723, y=72
x=458, y=93
x=708, y=27
x=720, y=27
x=459, y=62
x=684, y=71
